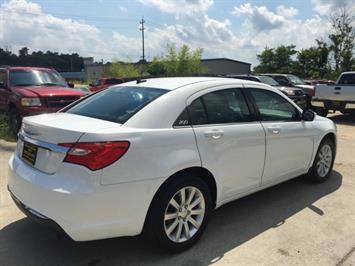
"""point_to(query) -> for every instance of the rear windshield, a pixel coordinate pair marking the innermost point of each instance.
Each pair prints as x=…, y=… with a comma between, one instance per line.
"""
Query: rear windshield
x=116, y=104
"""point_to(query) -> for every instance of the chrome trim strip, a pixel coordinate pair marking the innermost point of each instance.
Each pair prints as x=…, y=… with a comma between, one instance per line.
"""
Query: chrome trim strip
x=44, y=144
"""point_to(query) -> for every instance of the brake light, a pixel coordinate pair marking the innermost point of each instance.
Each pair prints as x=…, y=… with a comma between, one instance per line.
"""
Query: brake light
x=95, y=155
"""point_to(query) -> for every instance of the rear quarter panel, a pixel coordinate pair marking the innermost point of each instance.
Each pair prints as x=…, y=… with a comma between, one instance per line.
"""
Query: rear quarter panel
x=153, y=153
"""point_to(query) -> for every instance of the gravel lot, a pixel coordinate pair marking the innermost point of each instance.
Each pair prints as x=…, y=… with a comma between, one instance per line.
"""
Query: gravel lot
x=295, y=223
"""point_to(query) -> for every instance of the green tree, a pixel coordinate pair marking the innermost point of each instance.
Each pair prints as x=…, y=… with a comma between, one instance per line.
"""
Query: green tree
x=175, y=63
x=276, y=60
x=119, y=69
x=342, y=41
x=313, y=62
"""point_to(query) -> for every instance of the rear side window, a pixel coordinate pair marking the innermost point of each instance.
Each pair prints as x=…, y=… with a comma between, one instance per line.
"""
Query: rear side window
x=220, y=107
x=347, y=79
x=116, y=104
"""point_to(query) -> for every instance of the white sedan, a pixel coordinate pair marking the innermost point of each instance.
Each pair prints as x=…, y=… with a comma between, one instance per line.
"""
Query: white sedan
x=160, y=154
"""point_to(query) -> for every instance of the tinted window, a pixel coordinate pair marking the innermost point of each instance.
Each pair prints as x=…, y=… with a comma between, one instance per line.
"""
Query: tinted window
x=197, y=112
x=218, y=107
x=273, y=107
x=268, y=80
x=113, y=81
x=36, y=78
x=281, y=80
x=347, y=79
x=116, y=104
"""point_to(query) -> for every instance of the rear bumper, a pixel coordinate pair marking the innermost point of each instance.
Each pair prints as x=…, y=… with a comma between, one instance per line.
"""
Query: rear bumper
x=334, y=105
x=82, y=207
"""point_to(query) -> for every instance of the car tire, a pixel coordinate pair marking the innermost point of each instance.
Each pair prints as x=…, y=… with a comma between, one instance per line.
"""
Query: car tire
x=176, y=224
x=323, y=162
x=14, y=120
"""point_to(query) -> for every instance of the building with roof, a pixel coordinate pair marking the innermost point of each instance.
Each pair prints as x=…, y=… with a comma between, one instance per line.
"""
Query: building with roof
x=225, y=66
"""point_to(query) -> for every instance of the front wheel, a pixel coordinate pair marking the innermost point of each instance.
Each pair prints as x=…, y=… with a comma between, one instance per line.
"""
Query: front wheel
x=179, y=213
x=323, y=162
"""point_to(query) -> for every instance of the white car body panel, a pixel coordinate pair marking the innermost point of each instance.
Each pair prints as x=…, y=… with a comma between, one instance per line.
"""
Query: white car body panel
x=114, y=201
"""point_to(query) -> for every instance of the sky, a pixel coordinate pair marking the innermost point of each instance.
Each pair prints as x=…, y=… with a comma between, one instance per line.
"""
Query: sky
x=109, y=29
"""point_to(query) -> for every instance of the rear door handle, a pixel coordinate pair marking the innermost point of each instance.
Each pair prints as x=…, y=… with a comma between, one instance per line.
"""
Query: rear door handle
x=337, y=88
x=274, y=130
x=214, y=134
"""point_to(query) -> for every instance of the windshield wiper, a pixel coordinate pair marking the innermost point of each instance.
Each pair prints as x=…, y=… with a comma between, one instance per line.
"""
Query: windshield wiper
x=26, y=85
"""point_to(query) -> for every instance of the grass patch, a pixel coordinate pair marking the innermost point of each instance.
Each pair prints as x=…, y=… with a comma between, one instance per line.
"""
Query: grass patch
x=5, y=132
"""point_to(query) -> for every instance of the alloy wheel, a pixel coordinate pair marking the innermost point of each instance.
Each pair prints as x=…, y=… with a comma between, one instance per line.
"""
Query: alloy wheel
x=324, y=162
x=184, y=214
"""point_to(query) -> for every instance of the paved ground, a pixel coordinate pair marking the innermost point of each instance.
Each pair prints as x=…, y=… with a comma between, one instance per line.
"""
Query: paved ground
x=295, y=223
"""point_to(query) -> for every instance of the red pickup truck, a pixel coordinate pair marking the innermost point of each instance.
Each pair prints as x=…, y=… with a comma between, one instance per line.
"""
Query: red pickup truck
x=32, y=90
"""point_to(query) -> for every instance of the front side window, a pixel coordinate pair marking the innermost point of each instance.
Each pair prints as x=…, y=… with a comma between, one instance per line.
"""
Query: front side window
x=116, y=104
x=273, y=107
x=219, y=107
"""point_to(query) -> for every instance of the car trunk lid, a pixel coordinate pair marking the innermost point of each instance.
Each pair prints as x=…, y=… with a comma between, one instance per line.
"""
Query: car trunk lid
x=40, y=136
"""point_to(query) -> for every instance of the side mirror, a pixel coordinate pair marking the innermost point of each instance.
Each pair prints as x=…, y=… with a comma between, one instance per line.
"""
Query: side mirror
x=308, y=115
x=71, y=85
x=90, y=84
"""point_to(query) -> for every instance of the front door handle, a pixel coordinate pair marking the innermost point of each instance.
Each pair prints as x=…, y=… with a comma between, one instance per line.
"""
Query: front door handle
x=274, y=130
x=214, y=134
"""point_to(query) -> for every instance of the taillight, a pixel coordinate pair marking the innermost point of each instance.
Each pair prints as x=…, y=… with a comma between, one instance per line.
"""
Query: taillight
x=95, y=155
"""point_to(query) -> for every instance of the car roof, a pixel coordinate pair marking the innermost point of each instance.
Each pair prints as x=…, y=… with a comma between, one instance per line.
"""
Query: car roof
x=174, y=83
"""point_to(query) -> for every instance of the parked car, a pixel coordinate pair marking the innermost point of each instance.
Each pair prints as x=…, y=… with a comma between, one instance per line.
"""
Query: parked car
x=32, y=90
x=295, y=94
x=158, y=155
x=84, y=88
x=290, y=80
x=103, y=83
x=338, y=97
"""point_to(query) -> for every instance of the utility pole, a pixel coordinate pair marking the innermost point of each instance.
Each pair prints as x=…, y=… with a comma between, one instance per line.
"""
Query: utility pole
x=142, y=30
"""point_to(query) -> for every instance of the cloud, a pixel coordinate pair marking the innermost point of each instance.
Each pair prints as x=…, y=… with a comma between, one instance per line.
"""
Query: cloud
x=181, y=6
x=261, y=18
x=27, y=25
x=326, y=7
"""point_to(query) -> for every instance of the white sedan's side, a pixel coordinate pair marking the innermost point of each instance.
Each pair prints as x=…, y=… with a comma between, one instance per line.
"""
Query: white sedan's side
x=160, y=154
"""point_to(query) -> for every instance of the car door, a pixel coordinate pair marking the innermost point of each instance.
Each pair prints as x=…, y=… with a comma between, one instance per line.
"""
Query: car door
x=289, y=140
x=230, y=142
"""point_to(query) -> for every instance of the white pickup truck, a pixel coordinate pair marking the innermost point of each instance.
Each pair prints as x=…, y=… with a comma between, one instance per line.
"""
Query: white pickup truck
x=338, y=97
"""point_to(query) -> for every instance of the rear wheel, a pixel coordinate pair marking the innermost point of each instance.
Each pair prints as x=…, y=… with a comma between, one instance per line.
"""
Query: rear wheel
x=14, y=120
x=323, y=162
x=179, y=213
